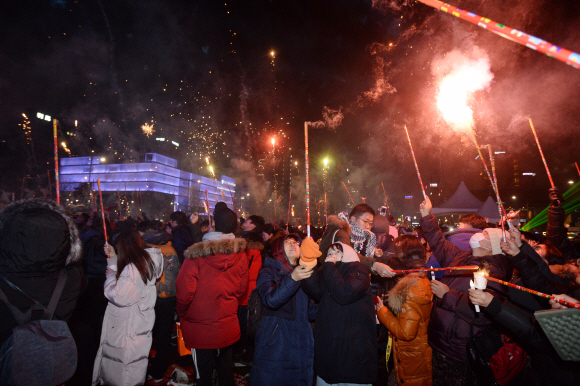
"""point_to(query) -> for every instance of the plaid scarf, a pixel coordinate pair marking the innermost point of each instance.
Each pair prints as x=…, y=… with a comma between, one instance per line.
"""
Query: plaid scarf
x=363, y=241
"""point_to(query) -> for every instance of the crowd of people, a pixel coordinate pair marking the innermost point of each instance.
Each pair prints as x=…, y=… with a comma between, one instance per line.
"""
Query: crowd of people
x=329, y=309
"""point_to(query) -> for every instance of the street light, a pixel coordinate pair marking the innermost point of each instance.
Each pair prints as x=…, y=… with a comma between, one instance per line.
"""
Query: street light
x=513, y=197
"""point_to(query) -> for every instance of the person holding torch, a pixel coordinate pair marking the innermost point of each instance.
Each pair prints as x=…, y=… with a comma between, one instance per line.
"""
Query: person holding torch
x=454, y=319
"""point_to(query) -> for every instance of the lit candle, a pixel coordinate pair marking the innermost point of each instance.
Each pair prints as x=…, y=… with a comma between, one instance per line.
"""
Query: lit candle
x=473, y=287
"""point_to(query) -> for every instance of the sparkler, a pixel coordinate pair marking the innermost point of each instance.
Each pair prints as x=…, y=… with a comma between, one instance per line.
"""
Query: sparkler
x=289, y=209
x=57, y=181
x=460, y=268
x=63, y=144
x=542, y=153
x=102, y=210
x=343, y=184
x=325, y=211
x=307, y=164
x=551, y=50
x=561, y=301
x=147, y=129
x=415, y=161
x=385, y=193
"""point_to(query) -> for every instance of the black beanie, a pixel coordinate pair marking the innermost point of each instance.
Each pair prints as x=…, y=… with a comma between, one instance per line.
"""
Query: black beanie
x=226, y=220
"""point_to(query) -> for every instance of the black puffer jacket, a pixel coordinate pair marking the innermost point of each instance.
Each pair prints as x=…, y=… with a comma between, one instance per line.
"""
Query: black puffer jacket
x=345, y=343
x=38, y=240
x=547, y=367
x=557, y=234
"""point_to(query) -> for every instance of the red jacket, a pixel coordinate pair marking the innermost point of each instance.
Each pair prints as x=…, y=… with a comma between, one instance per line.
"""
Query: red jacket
x=255, y=256
x=212, y=281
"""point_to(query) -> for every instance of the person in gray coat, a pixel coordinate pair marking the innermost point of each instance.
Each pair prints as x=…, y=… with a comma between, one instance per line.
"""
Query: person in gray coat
x=126, y=339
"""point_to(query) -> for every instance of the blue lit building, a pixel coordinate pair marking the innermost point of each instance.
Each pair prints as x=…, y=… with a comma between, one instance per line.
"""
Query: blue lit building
x=156, y=173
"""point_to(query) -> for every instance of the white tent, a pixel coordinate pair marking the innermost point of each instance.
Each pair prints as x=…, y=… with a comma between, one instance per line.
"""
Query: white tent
x=461, y=202
x=489, y=210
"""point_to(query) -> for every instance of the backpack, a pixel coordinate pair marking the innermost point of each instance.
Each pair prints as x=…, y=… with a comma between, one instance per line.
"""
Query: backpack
x=39, y=352
x=495, y=357
x=255, y=313
x=166, y=285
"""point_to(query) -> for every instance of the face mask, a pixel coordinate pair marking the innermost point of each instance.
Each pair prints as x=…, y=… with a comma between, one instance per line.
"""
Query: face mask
x=475, y=241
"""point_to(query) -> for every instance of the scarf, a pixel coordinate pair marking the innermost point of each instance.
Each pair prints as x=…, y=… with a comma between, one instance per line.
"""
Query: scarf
x=363, y=241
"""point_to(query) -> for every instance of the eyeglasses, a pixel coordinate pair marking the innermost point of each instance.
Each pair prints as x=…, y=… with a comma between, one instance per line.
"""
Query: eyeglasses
x=291, y=243
x=367, y=222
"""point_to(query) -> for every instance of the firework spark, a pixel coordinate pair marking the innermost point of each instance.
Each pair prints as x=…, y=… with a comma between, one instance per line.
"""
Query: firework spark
x=148, y=129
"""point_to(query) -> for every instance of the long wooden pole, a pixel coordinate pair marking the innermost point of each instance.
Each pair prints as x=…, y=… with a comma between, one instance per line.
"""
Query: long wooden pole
x=542, y=154
x=415, y=162
x=56, y=177
x=307, y=180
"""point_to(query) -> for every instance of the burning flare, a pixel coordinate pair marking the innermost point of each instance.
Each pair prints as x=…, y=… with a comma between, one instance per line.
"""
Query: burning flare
x=460, y=75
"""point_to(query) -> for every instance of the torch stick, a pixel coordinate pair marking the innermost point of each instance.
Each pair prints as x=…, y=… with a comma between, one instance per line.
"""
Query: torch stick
x=50, y=183
x=460, y=268
x=415, y=161
x=500, y=207
x=537, y=44
x=102, y=209
x=577, y=168
x=56, y=179
x=542, y=153
x=385, y=193
x=561, y=301
x=325, y=211
x=343, y=184
x=289, y=209
x=483, y=161
x=119, y=203
x=22, y=191
x=307, y=164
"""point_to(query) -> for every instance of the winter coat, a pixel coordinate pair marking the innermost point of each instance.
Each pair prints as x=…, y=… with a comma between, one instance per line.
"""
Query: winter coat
x=284, y=353
x=339, y=230
x=546, y=367
x=557, y=234
x=453, y=317
x=37, y=240
x=407, y=318
x=460, y=237
x=345, y=339
x=255, y=265
x=210, y=285
x=94, y=258
x=182, y=240
x=126, y=338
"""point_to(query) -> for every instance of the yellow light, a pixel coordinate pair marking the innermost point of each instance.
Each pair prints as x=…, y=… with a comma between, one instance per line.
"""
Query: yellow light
x=273, y=141
x=326, y=162
x=103, y=159
x=272, y=54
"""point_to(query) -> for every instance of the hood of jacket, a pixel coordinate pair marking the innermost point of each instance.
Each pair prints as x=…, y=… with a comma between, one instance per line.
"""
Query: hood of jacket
x=408, y=288
x=334, y=223
x=220, y=254
x=278, y=250
x=37, y=238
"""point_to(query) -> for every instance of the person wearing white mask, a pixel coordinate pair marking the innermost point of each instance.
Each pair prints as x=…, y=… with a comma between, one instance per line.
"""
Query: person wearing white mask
x=454, y=319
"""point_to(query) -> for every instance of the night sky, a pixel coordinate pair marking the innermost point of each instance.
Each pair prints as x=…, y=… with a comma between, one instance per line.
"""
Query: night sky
x=223, y=78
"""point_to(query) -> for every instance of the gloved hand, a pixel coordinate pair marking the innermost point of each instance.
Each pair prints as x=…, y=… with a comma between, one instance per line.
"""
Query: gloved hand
x=555, y=197
x=309, y=252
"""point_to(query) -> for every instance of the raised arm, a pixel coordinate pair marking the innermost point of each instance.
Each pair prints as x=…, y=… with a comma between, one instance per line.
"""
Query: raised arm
x=443, y=250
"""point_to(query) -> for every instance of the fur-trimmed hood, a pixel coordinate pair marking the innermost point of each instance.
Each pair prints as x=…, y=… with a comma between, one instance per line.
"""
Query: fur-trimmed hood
x=335, y=224
x=566, y=271
x=37, y=237
x=255, y=245
x=414, y=287
x=220, y=254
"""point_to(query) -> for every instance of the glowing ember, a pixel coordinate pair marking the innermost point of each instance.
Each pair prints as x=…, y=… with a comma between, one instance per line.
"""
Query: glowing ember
x=147, y=129
x=461, y=76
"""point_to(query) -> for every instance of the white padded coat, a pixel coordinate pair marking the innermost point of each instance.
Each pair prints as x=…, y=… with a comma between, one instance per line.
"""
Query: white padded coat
x=126, y=339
